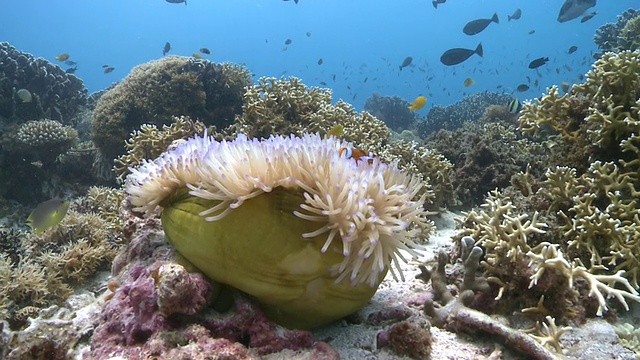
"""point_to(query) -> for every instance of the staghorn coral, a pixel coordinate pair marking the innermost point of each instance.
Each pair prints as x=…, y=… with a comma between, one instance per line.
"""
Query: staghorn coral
x=149, y=142
x=393, y=111
x=456, y=312
x=56, y=94
x=172, y=86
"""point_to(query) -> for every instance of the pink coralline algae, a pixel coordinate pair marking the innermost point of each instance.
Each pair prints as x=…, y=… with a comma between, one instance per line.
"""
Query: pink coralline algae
x=160, y=310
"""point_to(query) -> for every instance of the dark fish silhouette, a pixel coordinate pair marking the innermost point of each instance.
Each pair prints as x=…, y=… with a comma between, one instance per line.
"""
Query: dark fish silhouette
x=109, y=69
x=522, y=87
x=71, y=70
x=436, y=2
x=407, y=61
x=205, y=51
x=572, y=9
x=177, y=2
x=320, y=61
x=457, y=55
x=588, y=17
x=295, y=1
x=532, y=32
x=573, y=49
x=288, y=42
x=538, y=62
x=516, y=15
x=475, y=26
x=167, y=47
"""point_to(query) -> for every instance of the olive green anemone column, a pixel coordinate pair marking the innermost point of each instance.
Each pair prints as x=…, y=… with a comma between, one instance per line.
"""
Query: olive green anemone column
x=259, y=248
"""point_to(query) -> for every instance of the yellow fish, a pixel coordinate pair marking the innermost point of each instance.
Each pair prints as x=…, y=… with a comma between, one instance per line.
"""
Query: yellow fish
x=418, y=103
x=198, y=56
x=468, y=82
x=47, y=214
x=336, y=131
x=63, y=57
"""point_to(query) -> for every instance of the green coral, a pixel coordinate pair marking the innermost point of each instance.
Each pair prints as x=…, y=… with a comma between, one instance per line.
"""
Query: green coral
x=172, y=86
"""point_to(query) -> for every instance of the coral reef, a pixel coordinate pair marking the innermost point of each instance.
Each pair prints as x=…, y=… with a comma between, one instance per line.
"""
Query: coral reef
x=590, y=202
x=40, y=140
x=40, y=270
x=453, y=116
x=393, y=111
x=149, y=142
x=371, y=210
x=159, y=309
x=56, y=94
x=288, y=107
x=172, y=86
x=456, y=312
x=486, y=154
x=622, y=35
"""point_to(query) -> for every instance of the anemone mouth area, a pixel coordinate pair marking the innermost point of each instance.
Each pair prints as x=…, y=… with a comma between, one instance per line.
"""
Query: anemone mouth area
x=259, y=248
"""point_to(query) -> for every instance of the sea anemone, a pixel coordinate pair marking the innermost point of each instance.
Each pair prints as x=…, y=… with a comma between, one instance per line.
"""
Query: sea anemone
x=287, y=220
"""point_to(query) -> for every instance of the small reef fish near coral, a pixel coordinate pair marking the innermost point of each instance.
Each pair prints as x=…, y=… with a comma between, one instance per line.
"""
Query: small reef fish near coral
x=47, y=214
x=372, y=191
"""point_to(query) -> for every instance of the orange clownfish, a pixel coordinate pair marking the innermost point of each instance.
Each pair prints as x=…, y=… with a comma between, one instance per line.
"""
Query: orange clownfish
x=357, y=154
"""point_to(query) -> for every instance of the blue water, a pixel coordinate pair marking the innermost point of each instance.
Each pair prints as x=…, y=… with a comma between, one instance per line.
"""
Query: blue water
x=357, y=39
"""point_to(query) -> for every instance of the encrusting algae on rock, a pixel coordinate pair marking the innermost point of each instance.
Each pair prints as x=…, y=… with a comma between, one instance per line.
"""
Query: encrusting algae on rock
x=288, y=220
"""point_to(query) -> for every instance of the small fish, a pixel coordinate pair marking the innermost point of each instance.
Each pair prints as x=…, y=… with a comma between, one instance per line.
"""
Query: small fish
x=588, y=17
x=436, y=2
x=308, y=34
x=71, y=70
x=205, y=51
x=573, y=49
x=24, y=95
x=532, y=32
x=197, y=56
x=565, y=86
x=105, y=66
x=320, y=61
x=177, y=2
x=476, y=26
x=166, y=49
x=70, y=63
x=522, y=87
x=357, y=154
x=538, y=62
x=47, y=214
x=63, y=57
x=468, y=82
x=406, y=62
x=572, y=9
x=418, y=103
x=108, y=69
x=323, y=83
x=288, y=42
x=514, y=106
x=457, y=55
x=516, y=15
x=295, y=1
x=336, y=131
